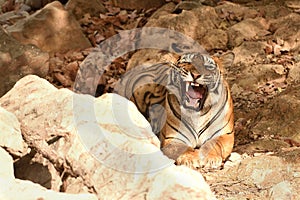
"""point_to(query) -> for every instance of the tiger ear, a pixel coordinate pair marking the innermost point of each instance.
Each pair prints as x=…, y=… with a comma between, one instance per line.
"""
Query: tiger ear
x=225, y=60
x=170, y=57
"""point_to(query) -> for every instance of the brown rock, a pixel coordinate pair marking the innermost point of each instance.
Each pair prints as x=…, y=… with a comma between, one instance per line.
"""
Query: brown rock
x=294, y=73
x=187, y=5
x=194, y=24
x=137, y=4
x=17, y=60
x=273, y=11
x=281, y=116
x=287, y=29
x=81, y=7
x=37, y=4
x=70, y=70
x=246, y=30
x=164, y=10
x=260, y=74
x=52, y=29
x=215, y=39
x=235, y=12
x=248, y=53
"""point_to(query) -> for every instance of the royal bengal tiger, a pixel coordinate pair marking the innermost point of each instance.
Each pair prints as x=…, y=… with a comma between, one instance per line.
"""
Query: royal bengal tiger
x=188, y=105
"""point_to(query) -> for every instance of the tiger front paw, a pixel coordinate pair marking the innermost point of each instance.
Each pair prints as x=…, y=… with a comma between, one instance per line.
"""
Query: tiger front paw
x=200, y=158
x=189, y=158
x=210, y=160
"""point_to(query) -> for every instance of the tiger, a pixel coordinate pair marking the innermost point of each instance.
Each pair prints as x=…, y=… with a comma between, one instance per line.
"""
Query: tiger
x=188, y=104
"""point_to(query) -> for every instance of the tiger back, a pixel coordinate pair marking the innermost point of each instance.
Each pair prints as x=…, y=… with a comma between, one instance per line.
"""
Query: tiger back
x=188, y=105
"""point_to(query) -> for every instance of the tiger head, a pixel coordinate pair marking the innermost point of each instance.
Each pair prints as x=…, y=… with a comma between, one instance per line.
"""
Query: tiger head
x=199, y=79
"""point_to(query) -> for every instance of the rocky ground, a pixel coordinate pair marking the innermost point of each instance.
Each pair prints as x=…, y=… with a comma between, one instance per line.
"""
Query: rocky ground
x=52, y=42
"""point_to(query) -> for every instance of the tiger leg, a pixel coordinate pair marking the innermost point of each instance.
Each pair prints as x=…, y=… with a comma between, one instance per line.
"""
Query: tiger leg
x=181, y=153
x=215, y=151
x=210, y=155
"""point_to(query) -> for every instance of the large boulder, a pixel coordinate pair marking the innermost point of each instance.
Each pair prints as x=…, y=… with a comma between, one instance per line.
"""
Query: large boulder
x=52, y=29
x=104, y=144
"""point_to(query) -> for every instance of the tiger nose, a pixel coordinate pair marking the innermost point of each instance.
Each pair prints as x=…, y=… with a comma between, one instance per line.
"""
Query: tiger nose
x=196, y=75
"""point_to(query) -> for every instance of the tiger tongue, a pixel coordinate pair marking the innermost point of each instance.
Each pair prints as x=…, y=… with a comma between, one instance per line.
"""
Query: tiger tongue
x=195, y=92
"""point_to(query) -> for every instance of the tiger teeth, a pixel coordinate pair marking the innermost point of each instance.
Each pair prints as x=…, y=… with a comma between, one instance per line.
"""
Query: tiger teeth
x=195, y=84
x=188, y=83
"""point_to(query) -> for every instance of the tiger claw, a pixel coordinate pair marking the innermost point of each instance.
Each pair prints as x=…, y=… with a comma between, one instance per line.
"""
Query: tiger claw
x=211, y=162
x=190, y=159
x=197, y=158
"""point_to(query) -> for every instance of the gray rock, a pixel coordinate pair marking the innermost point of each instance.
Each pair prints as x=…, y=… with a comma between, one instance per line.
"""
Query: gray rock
x=18, y=60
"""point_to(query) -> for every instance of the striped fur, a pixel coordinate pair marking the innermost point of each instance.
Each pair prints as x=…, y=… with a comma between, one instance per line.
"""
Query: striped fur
x=188, y=105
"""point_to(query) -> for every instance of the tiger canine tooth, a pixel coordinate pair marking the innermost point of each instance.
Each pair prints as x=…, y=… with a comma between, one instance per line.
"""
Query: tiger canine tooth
x=187, y=86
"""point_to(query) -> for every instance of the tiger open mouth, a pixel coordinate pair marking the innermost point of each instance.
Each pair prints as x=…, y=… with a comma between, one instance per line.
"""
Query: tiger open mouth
x=194, y=95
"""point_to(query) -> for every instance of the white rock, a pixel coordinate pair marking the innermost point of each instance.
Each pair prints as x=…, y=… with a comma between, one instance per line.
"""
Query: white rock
x=26, y=190
x=10, y=134
x=6, y=169
x=181, y=183
x=281, y=190
x=105, y=140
